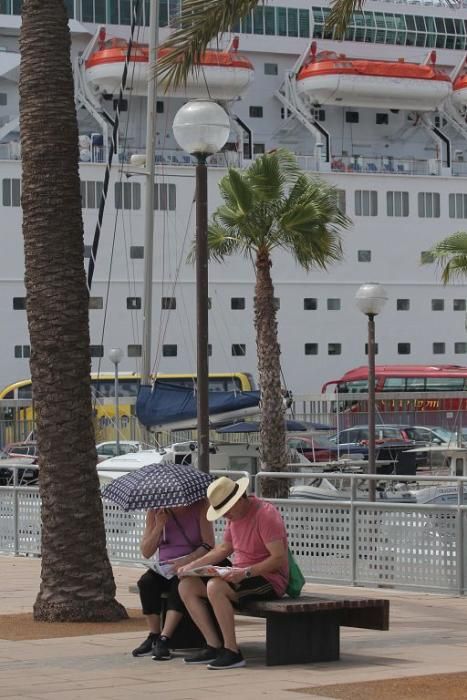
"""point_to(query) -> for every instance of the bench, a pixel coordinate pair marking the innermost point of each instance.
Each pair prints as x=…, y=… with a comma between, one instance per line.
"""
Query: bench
x=300, y=630
x=307, y=629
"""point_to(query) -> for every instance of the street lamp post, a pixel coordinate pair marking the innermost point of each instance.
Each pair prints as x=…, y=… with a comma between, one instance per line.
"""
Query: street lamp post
x=371, y=298
x=115, y=356
x=202, y=127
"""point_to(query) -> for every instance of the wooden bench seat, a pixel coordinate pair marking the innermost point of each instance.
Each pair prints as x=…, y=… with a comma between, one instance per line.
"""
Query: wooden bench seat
x=301, y=630
x=307, y=629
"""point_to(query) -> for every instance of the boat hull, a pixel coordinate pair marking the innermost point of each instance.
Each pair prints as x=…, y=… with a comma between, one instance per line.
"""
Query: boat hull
x=211, y=82
x=367, y=91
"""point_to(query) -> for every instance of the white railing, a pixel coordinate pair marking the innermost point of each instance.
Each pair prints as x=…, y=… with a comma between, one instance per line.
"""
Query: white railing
x=352, y=542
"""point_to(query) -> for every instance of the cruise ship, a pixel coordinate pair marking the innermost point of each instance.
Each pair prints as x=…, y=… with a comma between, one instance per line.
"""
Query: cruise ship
x=381, y=115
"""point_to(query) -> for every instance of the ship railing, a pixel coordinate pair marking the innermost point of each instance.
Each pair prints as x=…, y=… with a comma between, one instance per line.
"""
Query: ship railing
x=164, y=156
x=459, y=168
x=385, y=165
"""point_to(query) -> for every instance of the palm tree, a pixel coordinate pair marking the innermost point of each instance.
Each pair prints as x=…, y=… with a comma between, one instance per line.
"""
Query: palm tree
x=274, y=205
x=451, y=255
x=201, y=20
x=77, y=581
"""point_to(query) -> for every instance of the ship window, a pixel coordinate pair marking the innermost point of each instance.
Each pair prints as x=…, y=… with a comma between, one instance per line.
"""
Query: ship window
x=70, y=10
x=238, y=349
x=258, y=21
x=310, y=304
x=247, y=24
x=375, y=346
x=271, y=68
x=133, y=302
x=304, y=23
x=397, y=203
x=429, y=205
x=19, y=303
x=91, y=193
x=237, y=303
x=403, y=305
x=169, y=351
x=352, y=117
x=159, y=107
x=134, y=350
x=285, y=114
x=460, y=348
x=439, y=349
x=333, y=304
x=87, y=251
x=458, y=305
x=269, y=20
x=382, y=118
x=3, y=98
x=319, y=115
x=168, y=303
x=437, y=304
x=96, y=303
x=96, y=350
x=403, y=348
x=258, y=149
x=334, y=349
x=127, y=195
x=364, y=256
x=311, y=348
x=11, y=192
x=256, y=112
x=136, y=252
x=292, y=22
x=366, y=203
x=22, y=351
x=340, y=200
x=165, y=197
x=458, y=206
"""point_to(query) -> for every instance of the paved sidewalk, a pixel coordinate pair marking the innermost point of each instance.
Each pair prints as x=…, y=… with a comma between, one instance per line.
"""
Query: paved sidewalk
x=428, y=634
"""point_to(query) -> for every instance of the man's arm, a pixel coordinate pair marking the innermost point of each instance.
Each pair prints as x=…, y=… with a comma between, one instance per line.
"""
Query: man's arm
x=275, y=560
x=216, y=555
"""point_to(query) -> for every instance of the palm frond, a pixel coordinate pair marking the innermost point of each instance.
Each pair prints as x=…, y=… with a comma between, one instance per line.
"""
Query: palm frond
x=198, y=23
x=270, y=173
x=451, y=255
x=238, y=191
x=340, y=16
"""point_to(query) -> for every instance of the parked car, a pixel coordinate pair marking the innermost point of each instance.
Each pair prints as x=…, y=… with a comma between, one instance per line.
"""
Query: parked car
x=320, y=449
x=105, y=450
x=359, y=434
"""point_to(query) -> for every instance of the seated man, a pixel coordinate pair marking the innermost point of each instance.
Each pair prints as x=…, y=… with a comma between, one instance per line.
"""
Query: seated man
x=256, y=535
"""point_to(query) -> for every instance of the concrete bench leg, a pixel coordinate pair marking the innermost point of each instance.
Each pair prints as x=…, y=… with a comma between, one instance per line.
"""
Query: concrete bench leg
x=296, y=639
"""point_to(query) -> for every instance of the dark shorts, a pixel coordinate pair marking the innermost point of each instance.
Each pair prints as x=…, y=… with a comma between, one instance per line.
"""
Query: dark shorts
x=256, y=587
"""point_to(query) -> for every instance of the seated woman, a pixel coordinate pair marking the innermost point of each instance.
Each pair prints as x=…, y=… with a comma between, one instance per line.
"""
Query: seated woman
x=172, y=538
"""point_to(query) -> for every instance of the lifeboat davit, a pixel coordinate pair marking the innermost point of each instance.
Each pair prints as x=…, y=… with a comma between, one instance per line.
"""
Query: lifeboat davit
x=221, y=75
x=329, y=78
x=459, y=93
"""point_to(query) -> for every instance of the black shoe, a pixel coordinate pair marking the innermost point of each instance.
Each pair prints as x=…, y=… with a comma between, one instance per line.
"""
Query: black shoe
x=147, y=646
x=161, y=651
x=227, y=659
x=203, y=656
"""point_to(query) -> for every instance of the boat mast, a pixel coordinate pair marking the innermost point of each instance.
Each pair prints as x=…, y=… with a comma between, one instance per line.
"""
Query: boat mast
x=149, y=197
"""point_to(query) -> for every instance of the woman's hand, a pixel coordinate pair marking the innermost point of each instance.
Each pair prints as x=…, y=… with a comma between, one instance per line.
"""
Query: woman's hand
x=179, y=563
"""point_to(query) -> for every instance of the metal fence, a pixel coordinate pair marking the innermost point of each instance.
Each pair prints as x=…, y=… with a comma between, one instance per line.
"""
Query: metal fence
x=352, y=542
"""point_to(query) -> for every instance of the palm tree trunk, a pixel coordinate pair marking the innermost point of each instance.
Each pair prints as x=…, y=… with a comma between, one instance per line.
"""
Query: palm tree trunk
x=273, y=451
x=77, y=580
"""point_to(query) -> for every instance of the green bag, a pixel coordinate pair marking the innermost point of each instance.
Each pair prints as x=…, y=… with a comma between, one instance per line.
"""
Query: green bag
x=296, y=578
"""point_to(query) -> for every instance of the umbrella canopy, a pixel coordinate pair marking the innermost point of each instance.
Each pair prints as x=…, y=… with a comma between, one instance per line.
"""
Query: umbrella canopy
x=158, y=486
x=254, y=427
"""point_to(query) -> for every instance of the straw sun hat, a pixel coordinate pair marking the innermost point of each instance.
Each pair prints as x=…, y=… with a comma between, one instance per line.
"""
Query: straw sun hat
x=223, y=493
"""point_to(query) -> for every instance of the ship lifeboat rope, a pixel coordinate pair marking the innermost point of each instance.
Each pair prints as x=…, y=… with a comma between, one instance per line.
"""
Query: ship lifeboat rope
x=330, y=78
x=220, y=74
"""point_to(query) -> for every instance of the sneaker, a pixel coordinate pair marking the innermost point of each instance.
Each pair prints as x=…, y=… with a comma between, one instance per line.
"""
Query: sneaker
x=146, y=647
x=203, y=656
x=161, y=651
x=227, y=659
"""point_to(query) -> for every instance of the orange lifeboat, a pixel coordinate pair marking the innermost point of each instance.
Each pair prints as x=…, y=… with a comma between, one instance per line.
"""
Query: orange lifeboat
x=222, y=75
x=459, y=94
x=334, y=79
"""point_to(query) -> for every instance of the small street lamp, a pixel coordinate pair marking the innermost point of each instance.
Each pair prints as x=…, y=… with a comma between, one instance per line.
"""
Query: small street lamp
x=115, y=356
x=201, y=128
x=371, y=298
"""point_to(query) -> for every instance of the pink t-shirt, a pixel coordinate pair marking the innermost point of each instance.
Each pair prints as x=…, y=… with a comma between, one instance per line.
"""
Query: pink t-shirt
x=249, y=536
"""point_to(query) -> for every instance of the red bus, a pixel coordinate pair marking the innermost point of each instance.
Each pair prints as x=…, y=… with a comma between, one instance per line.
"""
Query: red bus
x=407, y=378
